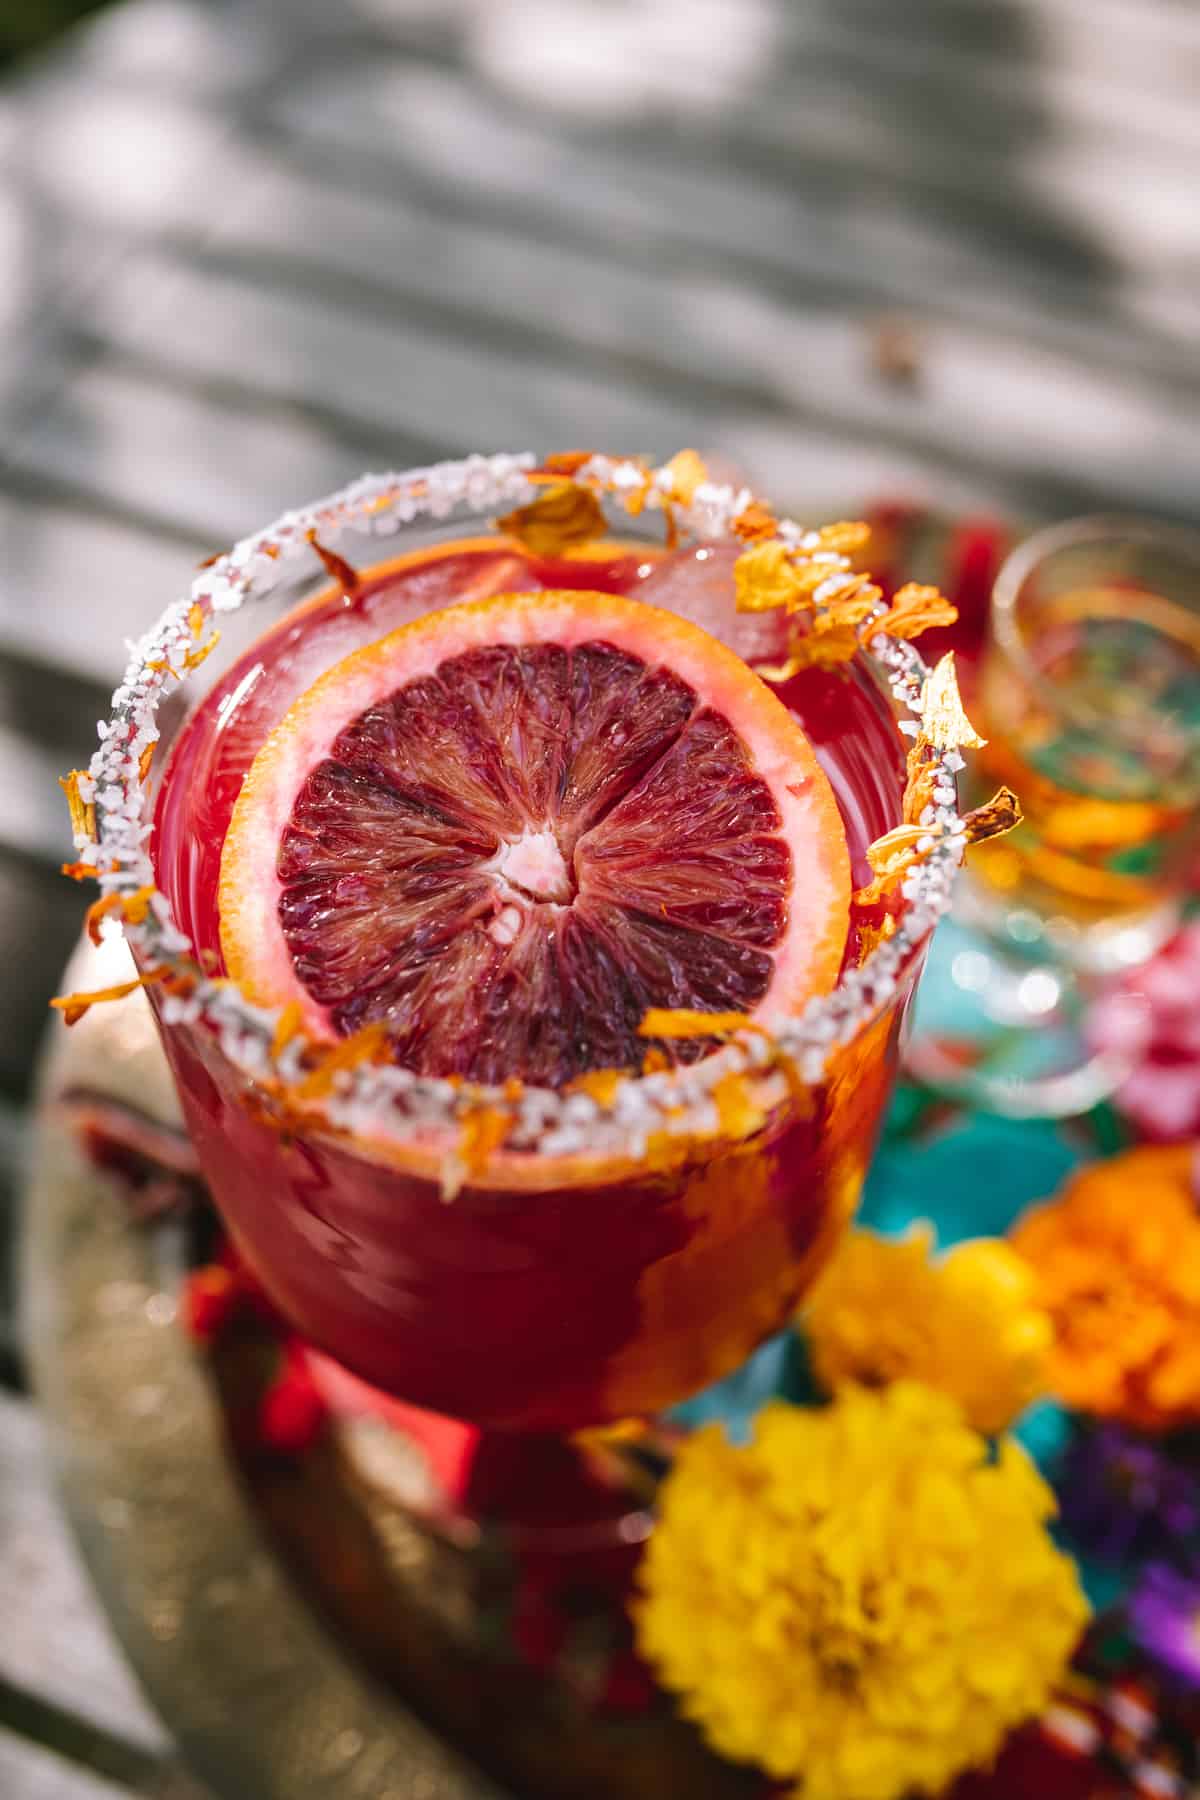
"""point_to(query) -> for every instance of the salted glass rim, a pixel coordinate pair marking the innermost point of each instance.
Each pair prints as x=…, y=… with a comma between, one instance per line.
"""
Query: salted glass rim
x=385, y=1103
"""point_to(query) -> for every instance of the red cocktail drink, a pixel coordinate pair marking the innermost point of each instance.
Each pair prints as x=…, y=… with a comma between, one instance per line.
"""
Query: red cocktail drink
x=508, y=1218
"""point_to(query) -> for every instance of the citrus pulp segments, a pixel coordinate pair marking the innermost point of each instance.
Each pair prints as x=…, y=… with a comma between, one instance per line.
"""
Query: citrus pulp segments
x=806, y=960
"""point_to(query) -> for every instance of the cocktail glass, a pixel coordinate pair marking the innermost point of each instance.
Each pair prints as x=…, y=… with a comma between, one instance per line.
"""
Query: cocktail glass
x=613, y=1253
x=1089, y=695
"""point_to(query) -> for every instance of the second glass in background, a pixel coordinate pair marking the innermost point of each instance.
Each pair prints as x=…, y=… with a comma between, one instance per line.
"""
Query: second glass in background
x=1088, y=692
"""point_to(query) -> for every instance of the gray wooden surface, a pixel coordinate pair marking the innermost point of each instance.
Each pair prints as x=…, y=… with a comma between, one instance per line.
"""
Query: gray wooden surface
x=248, y=250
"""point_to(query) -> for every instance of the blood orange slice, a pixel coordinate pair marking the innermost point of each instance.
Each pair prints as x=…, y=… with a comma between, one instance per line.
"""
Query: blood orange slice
x=510, y=828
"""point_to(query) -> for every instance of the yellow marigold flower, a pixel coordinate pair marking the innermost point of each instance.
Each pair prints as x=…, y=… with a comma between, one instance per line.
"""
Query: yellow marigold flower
x=1116, y=1260
x=863, y=1599
x=967, y=1323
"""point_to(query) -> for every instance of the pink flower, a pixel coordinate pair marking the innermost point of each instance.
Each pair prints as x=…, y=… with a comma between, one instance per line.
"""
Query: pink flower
x=1152, y=1016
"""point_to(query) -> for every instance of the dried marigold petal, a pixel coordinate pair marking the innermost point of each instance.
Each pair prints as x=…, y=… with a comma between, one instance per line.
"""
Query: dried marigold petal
x=209, y=561
x=146, y=759
x=765, y=578
x=482, y=1131
x=873, y=932
x=202, y=652
x=74, y=1006
x=890, y=856
x=852, y=608
x=567, y=462
x=683, y=1022
x=901, y=838
x=83, y=814
x=688, y=471
x=79, y=871
x=754, y=522
x=601, y=1085
x=665, y=1151
x=818, y=648
x=132, y=909
x=196, y=616
x=845, y=537
x=739, y=1114
x=565, y=515
x=914, y=609
x=287, y=1027
x=655, y=1061
x=782, y=671
x=996, y=816
x=361, y=1046
x=922, y=776
x=943, y=720
x=343, y=572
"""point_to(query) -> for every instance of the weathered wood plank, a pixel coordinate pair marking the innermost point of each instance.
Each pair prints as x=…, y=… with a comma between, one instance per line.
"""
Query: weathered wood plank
x=822, y=230
x=13, y=1147
x=208, y=467
x=30, y=1772
x=55, y=1644
x=1036, y=415
x=1043, y=186
x=1152, y=42
x=40, y=917
x=74, y=584
x=393, y=375
x=346, y=238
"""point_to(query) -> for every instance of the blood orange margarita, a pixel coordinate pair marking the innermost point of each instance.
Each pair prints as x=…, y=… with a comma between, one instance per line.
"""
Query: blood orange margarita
x=497, y=807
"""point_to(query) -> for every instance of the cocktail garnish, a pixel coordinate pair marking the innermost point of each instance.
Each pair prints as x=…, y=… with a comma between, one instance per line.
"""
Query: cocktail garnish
x=131, y=909
x=73, y=1007
x=343, y=572
x=75, y=786
x=684, y=1022
x=482, y=1131
x=943, y=721
x=894, y=854
x=913, y=609
x=560, y=518
x=996, y=816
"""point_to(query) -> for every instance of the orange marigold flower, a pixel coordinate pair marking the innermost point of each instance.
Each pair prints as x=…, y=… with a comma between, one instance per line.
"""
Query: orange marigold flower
x=1116, y=1257
x=914, y=609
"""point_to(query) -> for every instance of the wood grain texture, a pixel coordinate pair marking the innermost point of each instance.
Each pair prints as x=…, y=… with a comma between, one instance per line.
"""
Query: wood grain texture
x=55, y=1644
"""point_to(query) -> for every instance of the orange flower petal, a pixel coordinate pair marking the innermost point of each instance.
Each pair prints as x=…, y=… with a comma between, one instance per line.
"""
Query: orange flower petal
x=564, y=516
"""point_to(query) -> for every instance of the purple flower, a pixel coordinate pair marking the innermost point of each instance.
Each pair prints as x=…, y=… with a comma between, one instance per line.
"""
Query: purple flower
x=1123, y=1497
x=1164, y=1618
